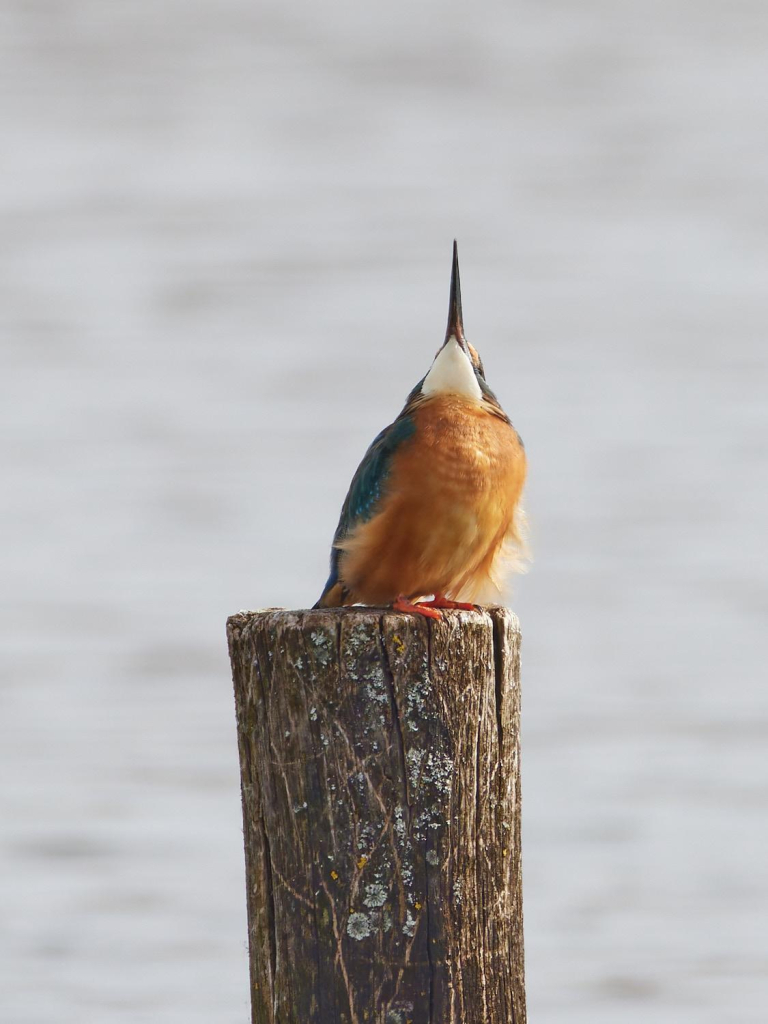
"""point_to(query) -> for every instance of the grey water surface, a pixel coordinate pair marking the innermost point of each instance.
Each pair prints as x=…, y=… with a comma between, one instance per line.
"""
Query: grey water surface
x=225, y=236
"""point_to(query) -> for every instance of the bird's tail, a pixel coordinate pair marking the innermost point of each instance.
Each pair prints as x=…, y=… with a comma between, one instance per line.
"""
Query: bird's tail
x=332, y=597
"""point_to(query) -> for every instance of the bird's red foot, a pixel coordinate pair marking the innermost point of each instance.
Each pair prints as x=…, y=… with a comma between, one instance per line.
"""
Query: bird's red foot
x=402, y=604
x=439, y=601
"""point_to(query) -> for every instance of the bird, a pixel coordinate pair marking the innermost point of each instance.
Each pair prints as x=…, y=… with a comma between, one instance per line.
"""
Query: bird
x=433, y=516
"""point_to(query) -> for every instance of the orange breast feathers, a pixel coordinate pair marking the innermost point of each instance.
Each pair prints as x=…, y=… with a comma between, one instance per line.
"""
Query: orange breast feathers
x=450, y=509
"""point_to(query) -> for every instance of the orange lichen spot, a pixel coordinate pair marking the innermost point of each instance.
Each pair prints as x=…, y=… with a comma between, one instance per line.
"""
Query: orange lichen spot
x=362, y=862
x=417, y=905
x=334, y=875
x=398, y=643
x=504, y=852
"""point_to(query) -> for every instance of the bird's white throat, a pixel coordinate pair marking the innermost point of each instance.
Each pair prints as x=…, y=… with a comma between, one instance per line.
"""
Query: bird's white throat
x=452, y=373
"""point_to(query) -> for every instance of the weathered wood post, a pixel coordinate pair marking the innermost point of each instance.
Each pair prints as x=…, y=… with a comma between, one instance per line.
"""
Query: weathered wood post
x=381, y=800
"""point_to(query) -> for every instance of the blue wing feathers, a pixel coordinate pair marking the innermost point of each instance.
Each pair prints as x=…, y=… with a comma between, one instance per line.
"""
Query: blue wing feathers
x=369, y=481
x=368, y=485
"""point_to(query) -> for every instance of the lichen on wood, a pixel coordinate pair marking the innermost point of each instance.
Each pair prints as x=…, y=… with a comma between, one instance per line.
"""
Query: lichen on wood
x=381, y=802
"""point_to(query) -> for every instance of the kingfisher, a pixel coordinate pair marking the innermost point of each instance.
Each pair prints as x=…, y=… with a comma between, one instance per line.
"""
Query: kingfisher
x=433, y=517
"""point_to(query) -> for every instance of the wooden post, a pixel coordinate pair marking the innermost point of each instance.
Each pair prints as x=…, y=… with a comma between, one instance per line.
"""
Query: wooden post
x=381, y=800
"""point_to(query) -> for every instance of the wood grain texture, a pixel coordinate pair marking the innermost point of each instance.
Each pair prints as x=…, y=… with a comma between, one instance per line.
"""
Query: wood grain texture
x=381, y=802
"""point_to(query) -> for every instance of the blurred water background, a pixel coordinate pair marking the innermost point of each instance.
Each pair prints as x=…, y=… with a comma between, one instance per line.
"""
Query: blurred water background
x=224, y=261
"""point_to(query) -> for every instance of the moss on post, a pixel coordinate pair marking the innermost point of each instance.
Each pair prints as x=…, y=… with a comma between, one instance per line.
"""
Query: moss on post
x=381, y=801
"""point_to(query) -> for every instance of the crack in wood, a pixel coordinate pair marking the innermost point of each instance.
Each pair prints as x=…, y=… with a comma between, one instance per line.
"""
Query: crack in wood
x=397, y=723
x=498, y=669
x=269, y=873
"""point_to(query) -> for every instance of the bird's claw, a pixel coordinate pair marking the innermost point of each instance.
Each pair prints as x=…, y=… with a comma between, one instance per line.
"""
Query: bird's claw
x=402, y=604
x=439, y=601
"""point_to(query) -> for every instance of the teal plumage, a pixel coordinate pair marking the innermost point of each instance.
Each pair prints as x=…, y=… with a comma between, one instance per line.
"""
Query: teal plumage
x=368, y=486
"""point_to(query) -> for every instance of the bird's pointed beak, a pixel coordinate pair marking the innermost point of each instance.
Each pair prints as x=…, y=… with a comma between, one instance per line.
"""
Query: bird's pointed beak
x=455, y=326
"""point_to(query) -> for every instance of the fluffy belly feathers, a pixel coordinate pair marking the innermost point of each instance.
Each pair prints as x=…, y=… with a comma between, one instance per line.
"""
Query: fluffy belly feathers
x=449, y=505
